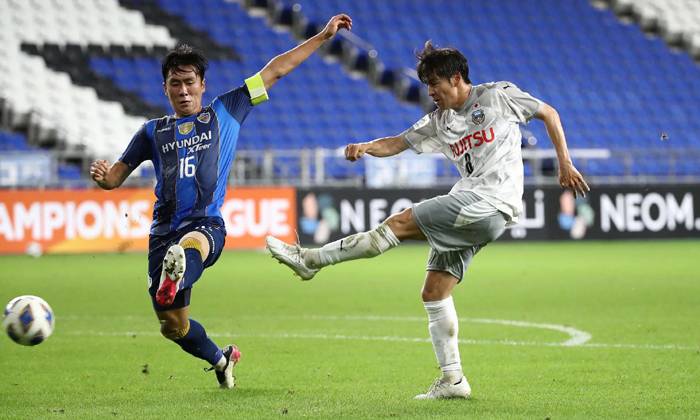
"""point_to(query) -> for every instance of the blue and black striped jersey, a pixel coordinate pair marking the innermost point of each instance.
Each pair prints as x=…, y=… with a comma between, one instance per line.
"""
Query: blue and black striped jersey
x=192, y=158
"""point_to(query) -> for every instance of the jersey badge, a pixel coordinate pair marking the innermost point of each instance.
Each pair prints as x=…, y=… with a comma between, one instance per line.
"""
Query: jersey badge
x=204, y=117
x=185, y=128
x=478, y=116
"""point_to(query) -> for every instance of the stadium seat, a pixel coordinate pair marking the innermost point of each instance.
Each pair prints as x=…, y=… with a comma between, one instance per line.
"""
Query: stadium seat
x=317, y=105
x=613, y=86
x=10, y=141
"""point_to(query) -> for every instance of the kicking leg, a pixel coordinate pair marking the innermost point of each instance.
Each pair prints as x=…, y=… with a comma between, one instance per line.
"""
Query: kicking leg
x=307, y=262
x=389, y=234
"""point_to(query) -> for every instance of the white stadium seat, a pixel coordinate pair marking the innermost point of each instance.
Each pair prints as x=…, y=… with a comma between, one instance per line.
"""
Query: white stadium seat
x=677, y=21
x=30, y=91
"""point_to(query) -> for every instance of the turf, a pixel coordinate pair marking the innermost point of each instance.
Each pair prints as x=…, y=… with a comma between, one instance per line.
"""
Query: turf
x=353, y=341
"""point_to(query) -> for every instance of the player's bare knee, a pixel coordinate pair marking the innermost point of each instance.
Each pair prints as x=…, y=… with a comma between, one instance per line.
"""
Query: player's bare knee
x=397, y=222
x=438, y=286
x=392, y=222
x=429, y=294
x=173, y=330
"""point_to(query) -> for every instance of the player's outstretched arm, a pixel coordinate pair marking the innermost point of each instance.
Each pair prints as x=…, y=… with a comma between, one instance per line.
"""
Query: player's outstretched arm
x=109, y=177
x=383, y=147
x=281, y=65
x=569, y=176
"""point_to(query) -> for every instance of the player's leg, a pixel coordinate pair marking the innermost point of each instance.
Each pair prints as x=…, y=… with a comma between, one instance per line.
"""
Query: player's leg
x=444, y=271
x=182, y=266
x=176, y=325
x=443, y=323
x=398, y=227
x=199, y=247
x=457, y=226
x=307, y=262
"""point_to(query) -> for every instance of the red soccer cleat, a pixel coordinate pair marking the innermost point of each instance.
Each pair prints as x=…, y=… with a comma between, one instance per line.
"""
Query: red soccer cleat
x=171, y=276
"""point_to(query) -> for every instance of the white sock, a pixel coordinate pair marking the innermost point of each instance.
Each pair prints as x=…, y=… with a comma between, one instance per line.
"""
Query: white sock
x=219, y=366
x=361, y=245
x=444, y=327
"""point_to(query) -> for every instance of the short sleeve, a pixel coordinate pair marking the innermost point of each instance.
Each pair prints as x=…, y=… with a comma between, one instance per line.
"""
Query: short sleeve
x=237, y=103
x=422, y=136
x=139, y=149
x=524, y=105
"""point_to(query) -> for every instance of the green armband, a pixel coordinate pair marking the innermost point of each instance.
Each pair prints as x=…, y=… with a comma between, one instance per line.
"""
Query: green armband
x=256, y=87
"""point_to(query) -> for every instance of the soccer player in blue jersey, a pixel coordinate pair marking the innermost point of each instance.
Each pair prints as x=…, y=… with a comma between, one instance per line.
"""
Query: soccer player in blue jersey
x=192, y=151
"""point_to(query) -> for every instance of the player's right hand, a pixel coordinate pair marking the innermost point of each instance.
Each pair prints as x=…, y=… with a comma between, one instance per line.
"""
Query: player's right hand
x=354, y=151
x=98, y=170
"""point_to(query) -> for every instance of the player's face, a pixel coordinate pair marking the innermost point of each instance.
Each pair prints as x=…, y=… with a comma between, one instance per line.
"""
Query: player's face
x=444, y=92
x=184, y=88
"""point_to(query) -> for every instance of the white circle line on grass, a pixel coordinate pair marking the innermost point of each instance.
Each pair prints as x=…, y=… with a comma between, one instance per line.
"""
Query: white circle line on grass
x=397, y=339
x=576, y=336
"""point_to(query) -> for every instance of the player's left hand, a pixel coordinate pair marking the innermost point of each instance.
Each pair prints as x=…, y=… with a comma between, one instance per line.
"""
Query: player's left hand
x=337, y=22
x=570, y=177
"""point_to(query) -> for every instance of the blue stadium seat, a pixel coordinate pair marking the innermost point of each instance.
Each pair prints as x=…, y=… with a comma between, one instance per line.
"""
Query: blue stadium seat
x=10, y=141
x=613, y=86
x=69, y=172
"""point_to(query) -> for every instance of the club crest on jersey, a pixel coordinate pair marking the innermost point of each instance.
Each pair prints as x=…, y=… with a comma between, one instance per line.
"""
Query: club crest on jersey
x=478, y=116
x=204, y=117
x=185, y=128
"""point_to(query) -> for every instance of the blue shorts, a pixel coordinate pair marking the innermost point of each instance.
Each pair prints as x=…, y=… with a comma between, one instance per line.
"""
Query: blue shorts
x=212, y=228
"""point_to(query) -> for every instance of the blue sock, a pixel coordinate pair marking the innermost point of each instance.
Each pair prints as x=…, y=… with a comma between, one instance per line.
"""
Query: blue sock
x=196, y=343
x=194, y=268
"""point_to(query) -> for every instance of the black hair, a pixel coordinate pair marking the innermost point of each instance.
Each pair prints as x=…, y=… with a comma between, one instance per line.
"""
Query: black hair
x=441, y=62
x=184, y=55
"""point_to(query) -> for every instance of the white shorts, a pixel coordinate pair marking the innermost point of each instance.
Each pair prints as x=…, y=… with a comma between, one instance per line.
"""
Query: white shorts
x=457, y=226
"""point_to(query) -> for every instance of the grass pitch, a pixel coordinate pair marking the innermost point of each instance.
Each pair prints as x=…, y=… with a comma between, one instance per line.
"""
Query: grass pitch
x=353, y=342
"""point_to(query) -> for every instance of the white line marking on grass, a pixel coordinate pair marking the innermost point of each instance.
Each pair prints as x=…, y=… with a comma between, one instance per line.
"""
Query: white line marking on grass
x=576, y=337
x=397, y=339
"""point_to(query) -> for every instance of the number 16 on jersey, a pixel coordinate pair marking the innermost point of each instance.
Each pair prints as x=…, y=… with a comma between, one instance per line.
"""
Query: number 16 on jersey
x=187, y=168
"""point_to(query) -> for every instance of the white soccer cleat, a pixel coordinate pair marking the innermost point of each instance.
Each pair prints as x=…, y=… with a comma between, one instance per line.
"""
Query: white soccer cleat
x=440, y=389
x=291, y=256
x=171, y=276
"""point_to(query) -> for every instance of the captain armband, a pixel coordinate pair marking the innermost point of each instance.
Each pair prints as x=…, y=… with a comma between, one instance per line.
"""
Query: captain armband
x=256, y=87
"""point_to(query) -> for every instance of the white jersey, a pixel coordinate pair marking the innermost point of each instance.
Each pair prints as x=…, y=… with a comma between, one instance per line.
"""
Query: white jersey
x=483, y=140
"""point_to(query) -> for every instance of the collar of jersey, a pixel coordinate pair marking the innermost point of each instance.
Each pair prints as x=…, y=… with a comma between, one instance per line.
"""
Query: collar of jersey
x=183, y=119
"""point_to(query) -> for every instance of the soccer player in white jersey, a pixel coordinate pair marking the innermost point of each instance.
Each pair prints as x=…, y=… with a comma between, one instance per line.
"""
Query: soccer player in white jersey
x=476, y=127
